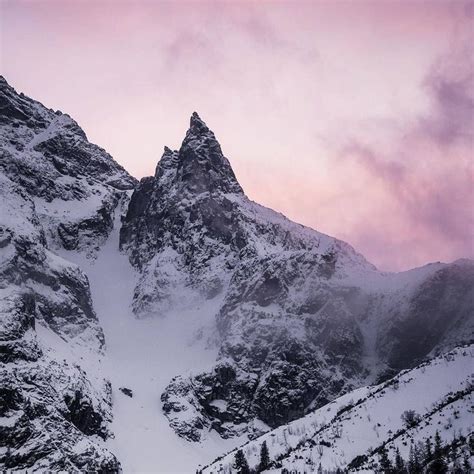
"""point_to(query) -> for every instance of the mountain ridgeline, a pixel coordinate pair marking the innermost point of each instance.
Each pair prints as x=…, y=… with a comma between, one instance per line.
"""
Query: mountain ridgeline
x=300, y=318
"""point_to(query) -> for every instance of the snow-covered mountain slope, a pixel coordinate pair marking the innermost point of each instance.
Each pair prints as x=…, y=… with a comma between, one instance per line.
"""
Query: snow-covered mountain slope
x=56, y=190
x=61, y=407
x=351, y=431
x=53, y=414
x=303, y=317
x=74, y=184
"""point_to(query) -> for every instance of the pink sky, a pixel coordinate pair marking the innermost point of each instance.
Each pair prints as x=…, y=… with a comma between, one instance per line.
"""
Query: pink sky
x=355, y=118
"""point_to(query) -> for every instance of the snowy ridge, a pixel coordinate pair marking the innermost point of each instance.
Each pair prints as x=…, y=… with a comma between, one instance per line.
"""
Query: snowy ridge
x=298, y=236
x=350, y=431
x=75, y=184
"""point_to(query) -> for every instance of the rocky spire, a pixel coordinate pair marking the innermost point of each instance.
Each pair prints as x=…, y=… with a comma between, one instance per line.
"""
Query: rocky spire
x=200, y=164
x=197, y=125
x=167, y=161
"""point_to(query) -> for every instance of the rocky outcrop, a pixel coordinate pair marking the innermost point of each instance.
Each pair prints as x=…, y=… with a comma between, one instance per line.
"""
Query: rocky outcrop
x=187, y=192
x=50, y=412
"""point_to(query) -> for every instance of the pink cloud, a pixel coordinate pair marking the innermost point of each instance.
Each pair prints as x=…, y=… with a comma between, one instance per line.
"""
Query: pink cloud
x=428, y=171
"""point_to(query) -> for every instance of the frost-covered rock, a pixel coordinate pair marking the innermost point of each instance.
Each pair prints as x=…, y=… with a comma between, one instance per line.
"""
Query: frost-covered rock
x=51, y=413
x=53, y=419
x=74, y=184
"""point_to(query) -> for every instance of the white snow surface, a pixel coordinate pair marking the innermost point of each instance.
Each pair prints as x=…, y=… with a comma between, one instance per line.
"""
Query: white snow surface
x=371, y=416
x=143, y=355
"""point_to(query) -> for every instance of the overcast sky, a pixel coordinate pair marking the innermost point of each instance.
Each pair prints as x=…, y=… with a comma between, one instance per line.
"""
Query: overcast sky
x=353, y=118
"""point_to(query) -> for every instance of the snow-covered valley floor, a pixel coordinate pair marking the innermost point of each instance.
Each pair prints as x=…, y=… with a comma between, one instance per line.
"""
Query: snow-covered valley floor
x=143, y=355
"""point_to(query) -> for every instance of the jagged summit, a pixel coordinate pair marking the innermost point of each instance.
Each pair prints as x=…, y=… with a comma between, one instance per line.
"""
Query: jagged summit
x=199, y=166
x=197, y=125
x=299, y=312
x=191, y=185
x=3, y=82
x=40, y=145
x=168, y=161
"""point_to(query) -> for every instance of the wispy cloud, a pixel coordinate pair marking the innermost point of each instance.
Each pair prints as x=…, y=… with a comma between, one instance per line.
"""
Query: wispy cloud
x=427, y=171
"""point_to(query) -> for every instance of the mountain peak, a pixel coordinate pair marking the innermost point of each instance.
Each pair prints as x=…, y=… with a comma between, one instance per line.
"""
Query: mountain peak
x=198, y=130
x=197, y=124
x=199, y=165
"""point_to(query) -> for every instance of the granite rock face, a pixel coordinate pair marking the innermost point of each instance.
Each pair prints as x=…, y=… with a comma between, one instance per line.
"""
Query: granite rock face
x=303, y=317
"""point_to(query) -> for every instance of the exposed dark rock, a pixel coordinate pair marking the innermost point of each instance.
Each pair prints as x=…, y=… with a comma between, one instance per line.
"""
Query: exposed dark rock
x=126, y=391
x=83, y=416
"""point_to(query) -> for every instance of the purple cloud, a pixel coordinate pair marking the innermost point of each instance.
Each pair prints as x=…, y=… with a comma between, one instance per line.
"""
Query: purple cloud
x=451, y=86
x=428, y=171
